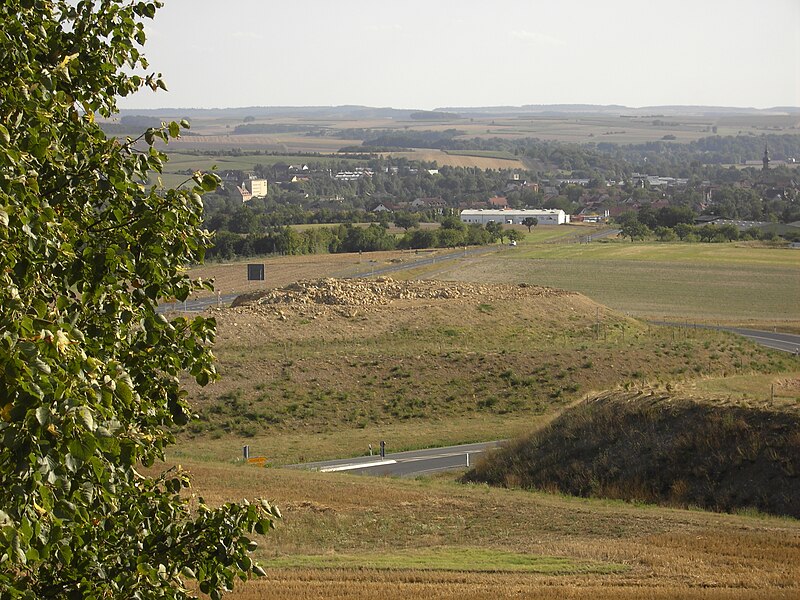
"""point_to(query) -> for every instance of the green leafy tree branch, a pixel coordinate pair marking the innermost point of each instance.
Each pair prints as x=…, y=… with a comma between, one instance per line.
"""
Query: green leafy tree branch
x=89, y=369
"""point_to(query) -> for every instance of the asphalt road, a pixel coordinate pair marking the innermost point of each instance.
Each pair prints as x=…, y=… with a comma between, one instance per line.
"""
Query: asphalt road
x=776, y=340
x=405, y=464
x=771, y=339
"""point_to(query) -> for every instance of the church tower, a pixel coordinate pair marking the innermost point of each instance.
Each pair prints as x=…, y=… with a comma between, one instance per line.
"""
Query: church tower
x=765, y=160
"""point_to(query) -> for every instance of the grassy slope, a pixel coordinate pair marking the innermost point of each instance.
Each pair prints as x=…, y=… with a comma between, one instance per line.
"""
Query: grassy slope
x=414, y=365
x=658, y=447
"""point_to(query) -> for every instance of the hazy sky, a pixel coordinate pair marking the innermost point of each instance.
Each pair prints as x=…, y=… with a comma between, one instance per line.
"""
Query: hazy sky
x=436, y=53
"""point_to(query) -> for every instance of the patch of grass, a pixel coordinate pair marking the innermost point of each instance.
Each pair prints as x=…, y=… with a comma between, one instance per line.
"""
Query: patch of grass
x=776, y=390
x=282, y=446
x=449, y=559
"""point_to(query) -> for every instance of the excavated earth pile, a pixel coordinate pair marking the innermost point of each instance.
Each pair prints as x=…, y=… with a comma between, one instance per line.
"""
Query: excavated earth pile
x=383, y=291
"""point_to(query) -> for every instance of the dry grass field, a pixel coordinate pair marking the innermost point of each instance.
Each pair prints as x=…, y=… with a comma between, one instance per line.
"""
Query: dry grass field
x=283, y=142
x=231, y=277
x=459, y=160
x=346, y=536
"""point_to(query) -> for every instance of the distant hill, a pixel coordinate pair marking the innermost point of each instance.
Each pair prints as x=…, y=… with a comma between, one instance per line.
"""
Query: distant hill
x=616, y=109
x=356, y=112
x=316, y=112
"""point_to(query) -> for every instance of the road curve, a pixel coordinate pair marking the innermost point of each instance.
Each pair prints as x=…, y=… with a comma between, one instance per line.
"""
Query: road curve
x=787, y=342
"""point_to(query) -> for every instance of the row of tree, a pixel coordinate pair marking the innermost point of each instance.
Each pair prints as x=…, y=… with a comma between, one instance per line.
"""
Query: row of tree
x=356, y=238
x=686, y=232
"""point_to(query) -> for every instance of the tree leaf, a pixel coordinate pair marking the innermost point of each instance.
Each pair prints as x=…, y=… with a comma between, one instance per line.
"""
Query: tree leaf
x=43, y=415
x=86, y=418
x=41, y=365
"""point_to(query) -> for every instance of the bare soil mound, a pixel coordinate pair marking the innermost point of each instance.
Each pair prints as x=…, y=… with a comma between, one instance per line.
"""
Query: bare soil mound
x=656, y=448
x=383, y=291
x=361, y=308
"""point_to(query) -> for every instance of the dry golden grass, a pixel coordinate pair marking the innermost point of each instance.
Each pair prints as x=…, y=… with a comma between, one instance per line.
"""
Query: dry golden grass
x=775, y=391
x=455, y=160
x=668, y=553
x=368, y=585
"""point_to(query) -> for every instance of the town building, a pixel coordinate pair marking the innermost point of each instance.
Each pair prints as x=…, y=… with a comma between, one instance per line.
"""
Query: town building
x=545, y=216
x=251, y=188
x=435, y=204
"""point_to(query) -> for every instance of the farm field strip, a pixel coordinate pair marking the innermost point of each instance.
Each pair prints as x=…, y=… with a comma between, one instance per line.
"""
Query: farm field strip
x=342, y=532
x=688, y=253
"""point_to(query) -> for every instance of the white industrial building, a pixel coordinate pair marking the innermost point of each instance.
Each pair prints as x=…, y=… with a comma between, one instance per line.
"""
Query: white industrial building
x=545, y=216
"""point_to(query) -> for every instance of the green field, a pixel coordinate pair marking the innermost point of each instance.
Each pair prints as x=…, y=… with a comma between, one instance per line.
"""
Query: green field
x=728, y=283
x=476, y=560
x=741, y=254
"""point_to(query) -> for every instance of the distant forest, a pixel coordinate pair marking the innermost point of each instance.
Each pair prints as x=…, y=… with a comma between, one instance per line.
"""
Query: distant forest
x=708, y=150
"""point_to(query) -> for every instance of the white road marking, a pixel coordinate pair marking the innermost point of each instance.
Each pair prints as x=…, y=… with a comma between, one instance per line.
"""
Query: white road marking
x=352, y=466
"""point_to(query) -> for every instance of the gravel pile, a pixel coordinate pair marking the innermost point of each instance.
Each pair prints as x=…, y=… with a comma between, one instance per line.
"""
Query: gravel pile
x=382, y=291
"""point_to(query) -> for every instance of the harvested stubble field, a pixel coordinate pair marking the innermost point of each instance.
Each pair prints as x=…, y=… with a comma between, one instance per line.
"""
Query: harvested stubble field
x=231, y=277
x=630, y=551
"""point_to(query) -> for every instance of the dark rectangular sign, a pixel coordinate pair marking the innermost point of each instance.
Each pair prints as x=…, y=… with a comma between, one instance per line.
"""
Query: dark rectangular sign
x=255, y=272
